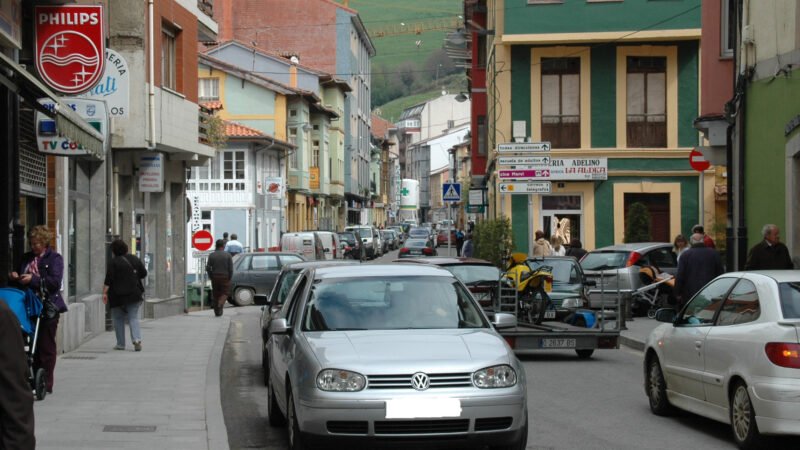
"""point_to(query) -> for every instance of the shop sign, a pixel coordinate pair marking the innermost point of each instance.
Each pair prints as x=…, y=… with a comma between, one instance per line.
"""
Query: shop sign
x=114, y=85
x=274, y=186
x=49, y=141
x=476, y=197
x=559, y=169
x=313, y=173
x=70, y=46
x=10, y=21
x=151, y=172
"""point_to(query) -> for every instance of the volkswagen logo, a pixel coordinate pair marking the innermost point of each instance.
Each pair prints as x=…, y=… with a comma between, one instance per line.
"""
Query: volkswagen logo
x=420, y=381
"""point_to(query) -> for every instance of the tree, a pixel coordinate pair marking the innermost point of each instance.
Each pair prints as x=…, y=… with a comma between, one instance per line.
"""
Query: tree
x=637, y=224
x=408, y=73
x=437, y=65
x=492, y=239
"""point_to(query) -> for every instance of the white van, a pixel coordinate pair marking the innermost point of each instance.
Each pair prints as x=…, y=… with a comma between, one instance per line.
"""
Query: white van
x=370, y=237
x=307, y=244
x=331, y=245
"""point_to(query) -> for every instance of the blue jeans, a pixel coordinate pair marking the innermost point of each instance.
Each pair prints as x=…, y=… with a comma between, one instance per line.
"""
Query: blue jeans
x=131, y=312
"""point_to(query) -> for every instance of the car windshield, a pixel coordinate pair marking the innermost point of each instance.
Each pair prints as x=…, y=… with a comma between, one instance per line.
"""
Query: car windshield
x=390, y=303
x=472, y=274
x=563, y=270
x=790, y=299
x=416, y=243
x=286, y=282
x=347, y=237
x=418, y=232
x=604, y=260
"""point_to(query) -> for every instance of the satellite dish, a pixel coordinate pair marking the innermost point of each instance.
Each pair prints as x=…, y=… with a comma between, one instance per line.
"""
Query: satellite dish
x=294, y=60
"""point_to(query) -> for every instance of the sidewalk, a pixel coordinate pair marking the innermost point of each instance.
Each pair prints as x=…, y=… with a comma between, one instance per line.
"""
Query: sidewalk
x=165, y=397
x=638, y=330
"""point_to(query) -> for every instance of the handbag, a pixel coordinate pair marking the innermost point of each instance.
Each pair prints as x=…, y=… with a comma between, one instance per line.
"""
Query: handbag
x=49, y=310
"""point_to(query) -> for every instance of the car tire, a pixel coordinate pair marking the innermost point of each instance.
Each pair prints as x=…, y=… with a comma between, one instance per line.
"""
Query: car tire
x=274, y=414
x=243, y=296
x=585, y=353
x=743, y=418
x=296, y=441
x=521, y=443
x=265, y=365
x=657, y=389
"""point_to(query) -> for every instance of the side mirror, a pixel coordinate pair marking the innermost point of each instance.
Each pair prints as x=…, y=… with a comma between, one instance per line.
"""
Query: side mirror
x=279, y=326
x=667, y=315
x=504, y=320
x=591, y=283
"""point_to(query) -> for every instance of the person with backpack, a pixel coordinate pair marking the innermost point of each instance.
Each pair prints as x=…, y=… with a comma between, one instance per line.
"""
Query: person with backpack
x=123, y=291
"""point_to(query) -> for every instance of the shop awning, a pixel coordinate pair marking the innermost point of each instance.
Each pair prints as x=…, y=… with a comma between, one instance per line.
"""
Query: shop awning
x=68, y=123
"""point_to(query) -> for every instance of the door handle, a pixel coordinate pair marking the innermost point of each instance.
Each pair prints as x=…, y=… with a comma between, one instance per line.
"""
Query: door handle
x=698, y=344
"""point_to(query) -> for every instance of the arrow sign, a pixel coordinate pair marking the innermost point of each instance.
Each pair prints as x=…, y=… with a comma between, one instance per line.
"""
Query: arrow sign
x=524, y=174
x=451, y=192
x=523, y=147
x=525, y=187
x=523, y=160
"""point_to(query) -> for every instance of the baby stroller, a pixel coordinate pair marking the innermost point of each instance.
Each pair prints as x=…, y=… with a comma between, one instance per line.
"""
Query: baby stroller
x=28, y=308
x=656, y=291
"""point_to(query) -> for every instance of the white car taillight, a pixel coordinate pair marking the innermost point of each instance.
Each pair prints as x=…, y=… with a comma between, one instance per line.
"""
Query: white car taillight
x=784, y=354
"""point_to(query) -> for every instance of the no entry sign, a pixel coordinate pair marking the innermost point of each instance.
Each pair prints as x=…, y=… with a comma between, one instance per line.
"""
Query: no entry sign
x=202, y=240
x=698, y=161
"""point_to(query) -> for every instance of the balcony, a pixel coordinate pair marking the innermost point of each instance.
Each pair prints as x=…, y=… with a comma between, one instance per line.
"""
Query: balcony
x=221, y=192
x=207, y=6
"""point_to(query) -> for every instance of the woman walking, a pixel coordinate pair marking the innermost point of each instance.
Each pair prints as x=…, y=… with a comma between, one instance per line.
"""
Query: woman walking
x=123, y=292
x=41, y=270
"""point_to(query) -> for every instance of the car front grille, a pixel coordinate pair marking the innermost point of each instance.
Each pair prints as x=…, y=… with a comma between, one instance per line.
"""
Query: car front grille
x=438, y=381
x=493, y=423
x=421, y=426
x=347, y=426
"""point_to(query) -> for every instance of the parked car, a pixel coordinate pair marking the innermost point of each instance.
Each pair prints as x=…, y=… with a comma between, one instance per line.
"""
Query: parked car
x=417, y=247
x=619, y=266
x=353, y=245
x=731, y=355
x=441, y=238
x=277, y=298
x=393, y=353
x=478, y=275
x=331, y=245
x=421, y=233
x=254, y=274
x=392, y=242
x=306, y=243
x=570, y=288
x=369, y=236
x=400, y=233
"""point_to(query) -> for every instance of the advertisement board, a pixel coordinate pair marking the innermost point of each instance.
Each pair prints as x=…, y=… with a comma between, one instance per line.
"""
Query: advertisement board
x=151, y=172
x=49, y=141
x=114, y=86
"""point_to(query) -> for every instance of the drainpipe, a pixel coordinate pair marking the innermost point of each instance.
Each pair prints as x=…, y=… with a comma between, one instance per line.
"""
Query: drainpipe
x=151, y=94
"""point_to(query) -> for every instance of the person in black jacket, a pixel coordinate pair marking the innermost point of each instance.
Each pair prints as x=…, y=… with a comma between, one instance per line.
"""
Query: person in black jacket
x=124, y=293
x=219, y=268
x=576, y=249
x=16, y=398
x=770, y=253
x=696, y=267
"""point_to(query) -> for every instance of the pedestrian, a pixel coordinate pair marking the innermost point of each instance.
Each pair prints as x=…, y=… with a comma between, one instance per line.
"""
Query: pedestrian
x=41, y=270
x=706, y=238
x=770, y=253
x=555, y=245
x=220, y=270
x=679, y=245
x=16, y=397
x=540, y=245
x=697, y=266
x=576, y=249
x=233, y=246
x=225, y=237
x=123, y=292
x=459, y=241
x=468, y=248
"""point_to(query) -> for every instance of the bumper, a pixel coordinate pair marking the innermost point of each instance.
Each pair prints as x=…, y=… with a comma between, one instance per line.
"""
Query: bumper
x=777, y=406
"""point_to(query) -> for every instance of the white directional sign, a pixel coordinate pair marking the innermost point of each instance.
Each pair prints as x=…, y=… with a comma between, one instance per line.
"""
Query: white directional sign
x=451, y=192
x=523, y=161
x=525, y=187
x=523, y=147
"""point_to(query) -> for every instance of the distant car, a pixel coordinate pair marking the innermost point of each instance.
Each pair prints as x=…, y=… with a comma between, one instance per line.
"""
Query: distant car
x=417, y=247
x=570, y=288
x=369, y=237
x=441, y=238
x=353, y=245
x=254, y=274
x=478, y=275
x=306, y=243
x=619, y=266
x=390, y=354
x=331, y=245
x=421, y=233
x=731, y=355
x=400, y=233
x=392, y=242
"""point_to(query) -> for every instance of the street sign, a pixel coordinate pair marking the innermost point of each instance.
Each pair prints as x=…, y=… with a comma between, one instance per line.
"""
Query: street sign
x=197, y=254
x=525, y=187
x=523, y=160
x=202, y=240
x=524, y=174
x=698, y=161
x=451, y=192
x=523, y=147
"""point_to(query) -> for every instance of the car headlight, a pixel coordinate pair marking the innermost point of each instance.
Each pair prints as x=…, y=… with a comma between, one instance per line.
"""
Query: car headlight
x=340, y=381
x=495, y=377
x=573, y=302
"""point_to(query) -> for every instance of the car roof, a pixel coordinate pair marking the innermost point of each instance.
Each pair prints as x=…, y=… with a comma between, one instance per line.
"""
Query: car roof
x=632, y=247
x=447, y=261
x=300, y=265
x=380, y=271
x=271, y=253
x=780, y=276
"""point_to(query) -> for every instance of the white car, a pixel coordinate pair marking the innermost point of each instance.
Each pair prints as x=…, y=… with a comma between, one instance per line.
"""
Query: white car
x=732, y=354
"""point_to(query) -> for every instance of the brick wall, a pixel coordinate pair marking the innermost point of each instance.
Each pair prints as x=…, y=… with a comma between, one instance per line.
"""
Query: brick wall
x=169, y=13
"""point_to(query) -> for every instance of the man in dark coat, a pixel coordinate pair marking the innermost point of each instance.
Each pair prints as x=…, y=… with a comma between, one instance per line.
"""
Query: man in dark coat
x=220, y=270
x=697, y=266
x=769, y=253
x=16, y=399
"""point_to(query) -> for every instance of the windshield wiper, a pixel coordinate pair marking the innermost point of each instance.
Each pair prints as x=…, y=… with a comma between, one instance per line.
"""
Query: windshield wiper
x=347, y=329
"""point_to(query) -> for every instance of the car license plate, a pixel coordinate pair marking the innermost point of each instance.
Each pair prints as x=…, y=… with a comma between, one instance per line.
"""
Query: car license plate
x=414, y=408
x=550, y=314
x=557, y=343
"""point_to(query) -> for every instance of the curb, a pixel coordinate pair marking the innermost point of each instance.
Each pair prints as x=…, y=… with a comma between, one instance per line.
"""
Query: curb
x=217, y=434
x=631, y=343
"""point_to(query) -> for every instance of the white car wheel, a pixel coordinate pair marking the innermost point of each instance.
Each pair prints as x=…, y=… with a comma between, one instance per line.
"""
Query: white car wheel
x=243, y=296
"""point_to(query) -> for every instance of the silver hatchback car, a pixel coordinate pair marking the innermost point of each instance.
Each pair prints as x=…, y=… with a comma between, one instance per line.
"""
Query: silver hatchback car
x=392, y=353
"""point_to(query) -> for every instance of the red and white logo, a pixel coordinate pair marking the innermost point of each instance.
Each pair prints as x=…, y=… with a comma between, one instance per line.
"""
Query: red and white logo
x=70, y=46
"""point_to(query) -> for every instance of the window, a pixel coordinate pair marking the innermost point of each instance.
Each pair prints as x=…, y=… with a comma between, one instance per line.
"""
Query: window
x=293, y=140
x=701, y=309
x=292, y=113
x=481, y=135
x=561, y=102
x=168, y=64
x=233, y=169
x=296, y=298
x=315, y=153
x=646, y=101
x=208, y=89
x=790, y=299
x=265, y=262
x=741, y=306
x=727, y=29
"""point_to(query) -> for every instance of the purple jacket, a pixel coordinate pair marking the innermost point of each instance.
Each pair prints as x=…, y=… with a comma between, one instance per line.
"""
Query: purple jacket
x=51, y=265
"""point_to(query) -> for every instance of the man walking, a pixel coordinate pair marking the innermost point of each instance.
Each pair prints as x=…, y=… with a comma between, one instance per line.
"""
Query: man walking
x=220, y=270
x=697, y=266
x=234, y=246
x=769, y=253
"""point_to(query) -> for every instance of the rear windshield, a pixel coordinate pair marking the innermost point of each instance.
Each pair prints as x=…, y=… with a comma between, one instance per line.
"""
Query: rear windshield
x=416, y=243
x=790, y=299
x=470, y=274
x=563, y=270
x=349, y=237
x=418, y=232
x=604, y=260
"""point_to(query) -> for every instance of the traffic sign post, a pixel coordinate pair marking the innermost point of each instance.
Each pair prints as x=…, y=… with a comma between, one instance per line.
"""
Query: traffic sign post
x=451, y=192
x=201, y=241
x=525, y=187
x=524, y=174
x=515, y=161
x=523, y=147
x=699, y=163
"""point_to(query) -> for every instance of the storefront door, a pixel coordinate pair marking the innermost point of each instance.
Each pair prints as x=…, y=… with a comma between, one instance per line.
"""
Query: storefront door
x=562, y=215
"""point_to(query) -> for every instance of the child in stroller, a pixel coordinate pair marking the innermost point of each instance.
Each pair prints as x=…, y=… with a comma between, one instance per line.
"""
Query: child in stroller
x=656, y=292
x=28, y=309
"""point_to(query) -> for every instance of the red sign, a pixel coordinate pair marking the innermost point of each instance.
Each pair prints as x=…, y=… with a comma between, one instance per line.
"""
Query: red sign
x=698, y=161
x=70, y=46
x=524, y=174
x=202, y=240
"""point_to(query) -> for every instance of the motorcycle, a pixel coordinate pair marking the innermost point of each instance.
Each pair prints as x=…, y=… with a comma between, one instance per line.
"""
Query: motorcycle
x=534, y=304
